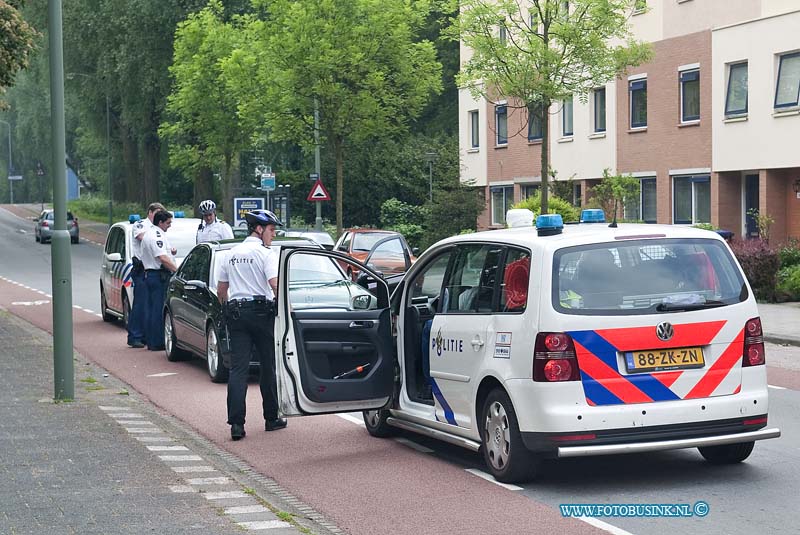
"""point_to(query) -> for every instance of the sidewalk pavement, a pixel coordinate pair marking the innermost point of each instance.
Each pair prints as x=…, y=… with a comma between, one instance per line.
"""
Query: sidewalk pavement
x=108, y=462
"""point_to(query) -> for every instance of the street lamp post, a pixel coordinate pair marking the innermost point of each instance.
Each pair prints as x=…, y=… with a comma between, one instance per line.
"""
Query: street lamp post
x=430, y=157
x=10, y=165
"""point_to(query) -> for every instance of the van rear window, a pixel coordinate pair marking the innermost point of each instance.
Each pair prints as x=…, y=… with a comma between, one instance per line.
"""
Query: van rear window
x=646, y=277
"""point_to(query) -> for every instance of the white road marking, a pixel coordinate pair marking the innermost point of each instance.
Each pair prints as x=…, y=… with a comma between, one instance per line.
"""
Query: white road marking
x=225, y=495
x=777, y=387
x=264, y=524
x=182, y=488
x=134, y=422
x=163, y=374
x=413, y=445
x=167, y=448
x=177, y=458
x=604, y=526
x=126, y=414
x=143, y=430
x=111, y=408
x=490, y=479
x=187, y=469
x=209, y=481
x=351, y=419
x=154, y=439
x=242, y=509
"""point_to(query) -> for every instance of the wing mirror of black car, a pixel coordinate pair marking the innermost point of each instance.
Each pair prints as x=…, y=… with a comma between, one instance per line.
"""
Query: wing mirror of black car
x=195, y=285
x=415, y=251
x=361, y=302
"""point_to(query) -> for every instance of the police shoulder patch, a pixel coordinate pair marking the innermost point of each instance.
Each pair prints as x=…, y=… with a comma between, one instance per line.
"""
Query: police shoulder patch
x=160, y=243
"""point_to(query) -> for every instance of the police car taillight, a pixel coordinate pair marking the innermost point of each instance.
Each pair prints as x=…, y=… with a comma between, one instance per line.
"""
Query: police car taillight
x=754, y=354
x=554, y=358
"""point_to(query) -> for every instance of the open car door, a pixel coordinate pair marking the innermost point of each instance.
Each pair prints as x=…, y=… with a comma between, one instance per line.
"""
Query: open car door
x=334, y=349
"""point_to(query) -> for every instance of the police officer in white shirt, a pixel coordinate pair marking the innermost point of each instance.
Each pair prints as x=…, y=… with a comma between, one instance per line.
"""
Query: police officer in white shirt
x=137, y=322
x=212, y=229
x=247, y=285
x=159, y=265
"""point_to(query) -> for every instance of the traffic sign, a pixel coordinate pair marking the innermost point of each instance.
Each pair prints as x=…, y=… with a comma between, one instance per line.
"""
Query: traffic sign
x=268, y=181
x=318, y=193
x=15, y=177
x=313, y=176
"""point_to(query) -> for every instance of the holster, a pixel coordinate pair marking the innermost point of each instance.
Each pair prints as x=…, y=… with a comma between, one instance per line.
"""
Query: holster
x=138, y=267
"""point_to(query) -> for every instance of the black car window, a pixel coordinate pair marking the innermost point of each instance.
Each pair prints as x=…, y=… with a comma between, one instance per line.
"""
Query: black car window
x=427, y=285
x=473, y=274
x=514, y=282
x=113, y=244
x=195, y=266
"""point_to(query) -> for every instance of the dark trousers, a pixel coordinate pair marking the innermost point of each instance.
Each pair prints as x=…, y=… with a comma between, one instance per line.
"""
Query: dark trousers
x=156, y=293
x=137, y=321
x=253, y=330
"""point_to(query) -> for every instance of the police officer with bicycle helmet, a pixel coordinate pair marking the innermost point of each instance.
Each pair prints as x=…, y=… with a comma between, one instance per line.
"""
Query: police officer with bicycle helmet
x=247, y=286
x=211, y=228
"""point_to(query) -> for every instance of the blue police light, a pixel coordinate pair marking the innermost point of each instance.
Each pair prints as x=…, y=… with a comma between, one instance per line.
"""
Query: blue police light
x=593, y=215
x=178, y=214
x=549, y=224
x=133, y=218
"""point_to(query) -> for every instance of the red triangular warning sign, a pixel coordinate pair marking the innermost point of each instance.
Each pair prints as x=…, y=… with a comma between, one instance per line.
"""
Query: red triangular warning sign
x=318, y=192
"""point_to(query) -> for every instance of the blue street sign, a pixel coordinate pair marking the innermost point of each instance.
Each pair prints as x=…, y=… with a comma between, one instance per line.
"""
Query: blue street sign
x=268, y=181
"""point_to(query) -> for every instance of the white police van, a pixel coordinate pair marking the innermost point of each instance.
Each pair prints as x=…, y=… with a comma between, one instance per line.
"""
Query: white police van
x=533, y=343
x=116, y=286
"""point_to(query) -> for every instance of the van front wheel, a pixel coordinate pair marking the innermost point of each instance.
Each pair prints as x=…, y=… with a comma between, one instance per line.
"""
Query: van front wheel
x=506, y=456
x=375, y=422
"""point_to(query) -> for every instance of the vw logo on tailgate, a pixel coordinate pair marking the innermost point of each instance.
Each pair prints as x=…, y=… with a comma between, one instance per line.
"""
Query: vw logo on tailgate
x=664, y=331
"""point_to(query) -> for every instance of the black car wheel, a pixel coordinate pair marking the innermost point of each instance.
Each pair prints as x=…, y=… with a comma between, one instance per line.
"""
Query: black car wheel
x=107, y=316
x=76, y=239
x=216, y=368
x=375, y=422
x=727, y=453
x=506, y=456
x=126, y=310
x=174, y=353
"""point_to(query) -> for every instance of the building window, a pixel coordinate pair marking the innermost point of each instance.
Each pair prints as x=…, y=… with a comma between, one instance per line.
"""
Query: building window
x=503, y=35
x=529, y=190
x=692, y=199
x=566, y=118
x=577, y=195
x=690, y=95
x=475, y=129
x=501, y=124
x=642, y=207
x=638, y=97
x=535, y=119
x=502, y=199
x=640, y=6
x=787, y=92
x=600, y=109
x=736, y=96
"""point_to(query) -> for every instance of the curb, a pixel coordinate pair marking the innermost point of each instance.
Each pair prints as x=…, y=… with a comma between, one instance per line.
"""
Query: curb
x=782, y=340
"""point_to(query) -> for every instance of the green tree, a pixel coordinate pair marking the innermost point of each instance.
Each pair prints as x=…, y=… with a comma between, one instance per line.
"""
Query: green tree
x=203, y=124
x=613, y=192
x=16, y=43
x=540, y=52
x=557, y=206
x=357, y=60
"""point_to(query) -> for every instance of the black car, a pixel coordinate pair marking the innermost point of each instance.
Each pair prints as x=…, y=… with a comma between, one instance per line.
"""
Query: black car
x=193, y=321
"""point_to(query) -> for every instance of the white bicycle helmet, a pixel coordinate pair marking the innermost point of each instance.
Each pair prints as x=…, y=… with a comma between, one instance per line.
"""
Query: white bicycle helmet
x=207, y=207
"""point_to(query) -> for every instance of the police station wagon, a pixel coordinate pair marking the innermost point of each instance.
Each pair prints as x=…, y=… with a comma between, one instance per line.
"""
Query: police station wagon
x=548, y=342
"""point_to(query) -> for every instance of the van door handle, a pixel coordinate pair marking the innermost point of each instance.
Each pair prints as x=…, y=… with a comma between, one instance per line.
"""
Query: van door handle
x=361, y=324
x=477, y=343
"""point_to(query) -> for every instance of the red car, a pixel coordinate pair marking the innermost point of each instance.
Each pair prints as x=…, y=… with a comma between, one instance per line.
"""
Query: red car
x=391, y=256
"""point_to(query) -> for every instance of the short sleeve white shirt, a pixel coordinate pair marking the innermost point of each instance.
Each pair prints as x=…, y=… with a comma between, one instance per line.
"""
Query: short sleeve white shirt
x=139, y=229
x=154, y=244
x=248, y=268
x=216, y=231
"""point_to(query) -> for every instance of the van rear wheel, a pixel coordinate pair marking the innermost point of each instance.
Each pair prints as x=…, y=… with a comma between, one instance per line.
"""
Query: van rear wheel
x=727, y=453
x=505, y=454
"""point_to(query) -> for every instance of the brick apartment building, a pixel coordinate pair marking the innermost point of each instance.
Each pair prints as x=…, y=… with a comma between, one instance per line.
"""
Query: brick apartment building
x=711, y=126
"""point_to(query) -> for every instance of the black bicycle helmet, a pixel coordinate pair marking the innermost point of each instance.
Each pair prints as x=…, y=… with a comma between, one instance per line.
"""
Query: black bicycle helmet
x=261, y=217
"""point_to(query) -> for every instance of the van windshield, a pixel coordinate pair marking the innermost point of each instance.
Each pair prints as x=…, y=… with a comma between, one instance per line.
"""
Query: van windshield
x=645, y=277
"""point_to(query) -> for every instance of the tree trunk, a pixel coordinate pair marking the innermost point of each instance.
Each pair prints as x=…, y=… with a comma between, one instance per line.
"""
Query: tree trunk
x=231, y=184
x=151, y=167
x=545, y=155
x=134, y=188
x=203, y=187
x=337, y=150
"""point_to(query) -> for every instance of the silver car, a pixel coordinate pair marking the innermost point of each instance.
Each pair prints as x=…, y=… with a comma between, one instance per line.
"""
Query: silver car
x=43, y=231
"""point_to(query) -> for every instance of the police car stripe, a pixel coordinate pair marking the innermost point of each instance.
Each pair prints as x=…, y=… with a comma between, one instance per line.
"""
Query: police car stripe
x=685, y=335
x=719, y=370
x=597, y=394
x=609, y=377
x=448, y=412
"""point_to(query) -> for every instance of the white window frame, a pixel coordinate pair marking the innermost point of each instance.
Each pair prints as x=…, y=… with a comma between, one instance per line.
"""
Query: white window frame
x=500, y=219
x=564, y=103
x=474, y=129
x=695, y=180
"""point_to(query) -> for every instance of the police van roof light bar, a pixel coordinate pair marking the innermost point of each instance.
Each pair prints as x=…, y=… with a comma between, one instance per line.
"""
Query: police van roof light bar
x=549, y=224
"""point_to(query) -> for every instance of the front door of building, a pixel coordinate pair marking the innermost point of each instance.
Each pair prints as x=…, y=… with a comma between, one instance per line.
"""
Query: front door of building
x=750, y=205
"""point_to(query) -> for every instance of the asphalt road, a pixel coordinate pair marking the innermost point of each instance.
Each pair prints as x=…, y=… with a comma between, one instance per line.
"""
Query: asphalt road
x=414, y=485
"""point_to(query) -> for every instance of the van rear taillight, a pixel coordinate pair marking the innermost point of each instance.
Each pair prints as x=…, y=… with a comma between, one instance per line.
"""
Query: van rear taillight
x=554, y=358
x=753, y=344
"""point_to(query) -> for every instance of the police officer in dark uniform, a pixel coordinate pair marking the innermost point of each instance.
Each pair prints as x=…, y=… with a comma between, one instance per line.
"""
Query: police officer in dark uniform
x=247, y=286
x=159, y=265
x=137, y=322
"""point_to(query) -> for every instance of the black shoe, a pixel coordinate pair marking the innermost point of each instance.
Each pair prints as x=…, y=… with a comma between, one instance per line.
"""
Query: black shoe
x=136, y=344
x=237, y=431
x=274, y=425
x=157, y=348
